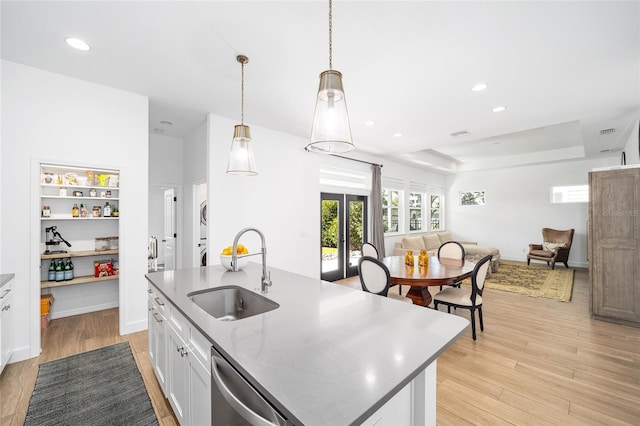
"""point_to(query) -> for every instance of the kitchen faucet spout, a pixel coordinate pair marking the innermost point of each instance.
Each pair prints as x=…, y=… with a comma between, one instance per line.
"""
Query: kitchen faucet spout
x=266, y=275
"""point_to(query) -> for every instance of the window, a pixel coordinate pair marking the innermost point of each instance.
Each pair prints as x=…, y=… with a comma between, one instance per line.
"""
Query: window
x=472, y=198
x=570, y=194
x=435, y=217
x=390, y=209
x=415, y=211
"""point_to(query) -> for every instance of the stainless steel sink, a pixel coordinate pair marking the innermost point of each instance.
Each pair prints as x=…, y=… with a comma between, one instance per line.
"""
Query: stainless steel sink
x=231, y=303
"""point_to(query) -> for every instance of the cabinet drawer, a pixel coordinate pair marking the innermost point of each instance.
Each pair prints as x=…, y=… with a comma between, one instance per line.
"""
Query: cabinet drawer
x=159, y=302
x=200, y=346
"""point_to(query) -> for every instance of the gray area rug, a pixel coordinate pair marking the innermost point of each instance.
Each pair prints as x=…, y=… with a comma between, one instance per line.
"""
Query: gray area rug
x=99, y=387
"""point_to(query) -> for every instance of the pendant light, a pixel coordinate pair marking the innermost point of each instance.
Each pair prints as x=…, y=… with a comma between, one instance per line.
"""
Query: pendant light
x=330, y=132
x=241, y=161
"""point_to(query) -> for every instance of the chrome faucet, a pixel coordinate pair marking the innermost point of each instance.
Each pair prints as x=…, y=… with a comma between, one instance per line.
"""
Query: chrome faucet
x=266, y=275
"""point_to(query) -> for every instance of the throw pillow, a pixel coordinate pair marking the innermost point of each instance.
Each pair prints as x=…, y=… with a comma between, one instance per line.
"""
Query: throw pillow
x=552, y=246
x=412, y=243
x=444, y=237
x=431, y=241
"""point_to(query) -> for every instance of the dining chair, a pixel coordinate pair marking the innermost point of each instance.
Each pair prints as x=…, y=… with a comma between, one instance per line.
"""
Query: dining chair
x=451, y=250
x=375, y=278
x=467, y=298
x=370, y=250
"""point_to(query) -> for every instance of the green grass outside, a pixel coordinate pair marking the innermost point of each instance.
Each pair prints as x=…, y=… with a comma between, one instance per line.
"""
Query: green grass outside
x=329, y=250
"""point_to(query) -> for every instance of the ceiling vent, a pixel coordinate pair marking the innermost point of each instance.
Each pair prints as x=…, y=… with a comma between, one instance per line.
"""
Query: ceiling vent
x=607, y=131
x=460, y=133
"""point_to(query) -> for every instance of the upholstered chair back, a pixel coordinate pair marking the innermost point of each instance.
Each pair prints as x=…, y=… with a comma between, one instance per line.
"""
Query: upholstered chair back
x=374, y=275
x=451, y=250
x=370, y=250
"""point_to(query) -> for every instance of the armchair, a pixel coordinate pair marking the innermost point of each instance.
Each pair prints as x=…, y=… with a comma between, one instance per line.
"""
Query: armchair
x=555, y=247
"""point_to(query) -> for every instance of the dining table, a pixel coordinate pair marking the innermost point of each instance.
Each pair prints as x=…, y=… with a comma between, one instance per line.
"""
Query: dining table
x=437, y=272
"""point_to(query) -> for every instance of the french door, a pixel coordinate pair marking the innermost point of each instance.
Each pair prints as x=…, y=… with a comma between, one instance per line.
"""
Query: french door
x=343, y=229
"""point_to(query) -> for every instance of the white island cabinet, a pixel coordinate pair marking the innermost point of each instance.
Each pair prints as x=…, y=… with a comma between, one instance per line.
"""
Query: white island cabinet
x=180, y=357
x=6, y=343
x=327, y=355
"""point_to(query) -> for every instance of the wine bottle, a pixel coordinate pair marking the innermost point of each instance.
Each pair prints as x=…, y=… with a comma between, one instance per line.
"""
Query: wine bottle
x=67, y=270
x=59, y=270
x=71, y=269
x=52, y=271
x=106, y=210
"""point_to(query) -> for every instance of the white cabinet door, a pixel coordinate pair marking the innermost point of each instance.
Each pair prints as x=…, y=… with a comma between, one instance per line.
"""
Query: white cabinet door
x=178, y=377
x=199, y=393
x=158, y=344
x=6, y=346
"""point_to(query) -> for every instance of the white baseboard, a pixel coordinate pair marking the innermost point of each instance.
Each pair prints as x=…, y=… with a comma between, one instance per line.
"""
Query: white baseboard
x=22, y=353
x=134, y=327
x=84, y=310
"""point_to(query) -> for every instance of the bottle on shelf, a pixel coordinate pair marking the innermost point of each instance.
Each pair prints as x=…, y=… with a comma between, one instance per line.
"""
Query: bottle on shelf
x=68, y=274
x=83, y=210
x=75, y=211
x=71, y=268
x=106, y=210
x=59, y=270
x=52, y=271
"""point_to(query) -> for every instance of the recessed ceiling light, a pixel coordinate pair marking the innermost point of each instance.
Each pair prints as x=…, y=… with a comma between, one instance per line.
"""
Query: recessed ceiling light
x=369, y=123
x=77, y=43
x=397, y=135
x=479, y=87
x=499, y=108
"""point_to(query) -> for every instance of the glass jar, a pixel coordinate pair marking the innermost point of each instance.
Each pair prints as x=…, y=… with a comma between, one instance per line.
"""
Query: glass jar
x=423, y=259
x=408, y=258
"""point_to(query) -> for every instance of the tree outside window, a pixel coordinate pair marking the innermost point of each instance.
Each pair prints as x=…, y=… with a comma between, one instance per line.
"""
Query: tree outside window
x=390, y=209
x=415, y=211
x=472, y=198
x=435, y=210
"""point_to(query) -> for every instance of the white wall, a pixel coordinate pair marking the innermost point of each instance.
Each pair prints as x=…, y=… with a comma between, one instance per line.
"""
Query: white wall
x=631, y=148
x=194, y=172
x=57, y=119
x=165, y=171
x=518, y=206
x=283, y=200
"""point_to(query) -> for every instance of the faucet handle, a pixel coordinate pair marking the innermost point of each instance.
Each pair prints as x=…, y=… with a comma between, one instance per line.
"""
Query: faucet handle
x=267, y=281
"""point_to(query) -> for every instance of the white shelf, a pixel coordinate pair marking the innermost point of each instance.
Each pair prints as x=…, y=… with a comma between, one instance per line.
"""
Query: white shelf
x=77, y=280
x=69, y=217
x=105, y=188
x=69, y=197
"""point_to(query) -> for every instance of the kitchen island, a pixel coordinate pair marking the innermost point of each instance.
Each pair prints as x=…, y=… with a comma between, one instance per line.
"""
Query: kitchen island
x=328, y=355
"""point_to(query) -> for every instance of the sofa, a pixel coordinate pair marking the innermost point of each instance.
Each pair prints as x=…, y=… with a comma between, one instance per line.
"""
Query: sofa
x=433, y=240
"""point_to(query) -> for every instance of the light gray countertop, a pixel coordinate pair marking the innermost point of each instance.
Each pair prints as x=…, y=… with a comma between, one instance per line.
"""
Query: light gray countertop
x=5, y=278
x=329, y=355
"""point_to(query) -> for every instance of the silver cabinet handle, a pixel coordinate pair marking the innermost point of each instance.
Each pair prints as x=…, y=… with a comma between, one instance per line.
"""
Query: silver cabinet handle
x=249, y=415
x=149, y=290
x=158, y=301
x=5, y=294
x=155, y=316
x=6, y=308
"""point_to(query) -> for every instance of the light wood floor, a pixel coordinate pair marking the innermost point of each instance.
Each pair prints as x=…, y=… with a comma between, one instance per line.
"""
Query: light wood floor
x=537, y=362
x=68, y=336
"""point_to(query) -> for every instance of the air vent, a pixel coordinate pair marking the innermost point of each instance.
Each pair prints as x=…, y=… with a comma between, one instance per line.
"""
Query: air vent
x=460, y=133
x=607, y=131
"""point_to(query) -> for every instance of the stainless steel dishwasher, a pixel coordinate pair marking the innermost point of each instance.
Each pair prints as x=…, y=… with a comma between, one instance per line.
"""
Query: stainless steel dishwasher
x=234, y=402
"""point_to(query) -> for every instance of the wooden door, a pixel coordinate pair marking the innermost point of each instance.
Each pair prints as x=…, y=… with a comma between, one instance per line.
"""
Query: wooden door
x=614, y=246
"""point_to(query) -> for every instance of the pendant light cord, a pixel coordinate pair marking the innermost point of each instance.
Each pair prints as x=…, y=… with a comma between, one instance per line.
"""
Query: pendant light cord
x=242, y=94
x=330, y=34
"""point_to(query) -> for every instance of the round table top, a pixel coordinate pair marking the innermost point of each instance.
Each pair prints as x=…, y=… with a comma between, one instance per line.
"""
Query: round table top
x=437, y=272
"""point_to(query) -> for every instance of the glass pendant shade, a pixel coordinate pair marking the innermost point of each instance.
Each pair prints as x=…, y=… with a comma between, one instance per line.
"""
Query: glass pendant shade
x=241, y=161
x=331, y=132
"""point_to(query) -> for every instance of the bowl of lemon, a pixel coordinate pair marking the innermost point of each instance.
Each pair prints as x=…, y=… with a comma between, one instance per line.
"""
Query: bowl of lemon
x=242, y=257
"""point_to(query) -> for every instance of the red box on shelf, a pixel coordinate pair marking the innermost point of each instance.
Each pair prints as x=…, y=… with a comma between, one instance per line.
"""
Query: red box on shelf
x=102, y=268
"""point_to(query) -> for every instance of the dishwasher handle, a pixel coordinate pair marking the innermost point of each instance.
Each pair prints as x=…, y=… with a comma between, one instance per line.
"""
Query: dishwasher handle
x=241, y=408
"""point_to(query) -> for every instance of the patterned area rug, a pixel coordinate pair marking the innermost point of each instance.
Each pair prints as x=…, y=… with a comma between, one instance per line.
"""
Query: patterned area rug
x=535, y=280
x=99, y=387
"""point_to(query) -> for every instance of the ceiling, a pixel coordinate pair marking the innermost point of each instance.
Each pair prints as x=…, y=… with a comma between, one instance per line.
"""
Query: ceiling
x=564, y=70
